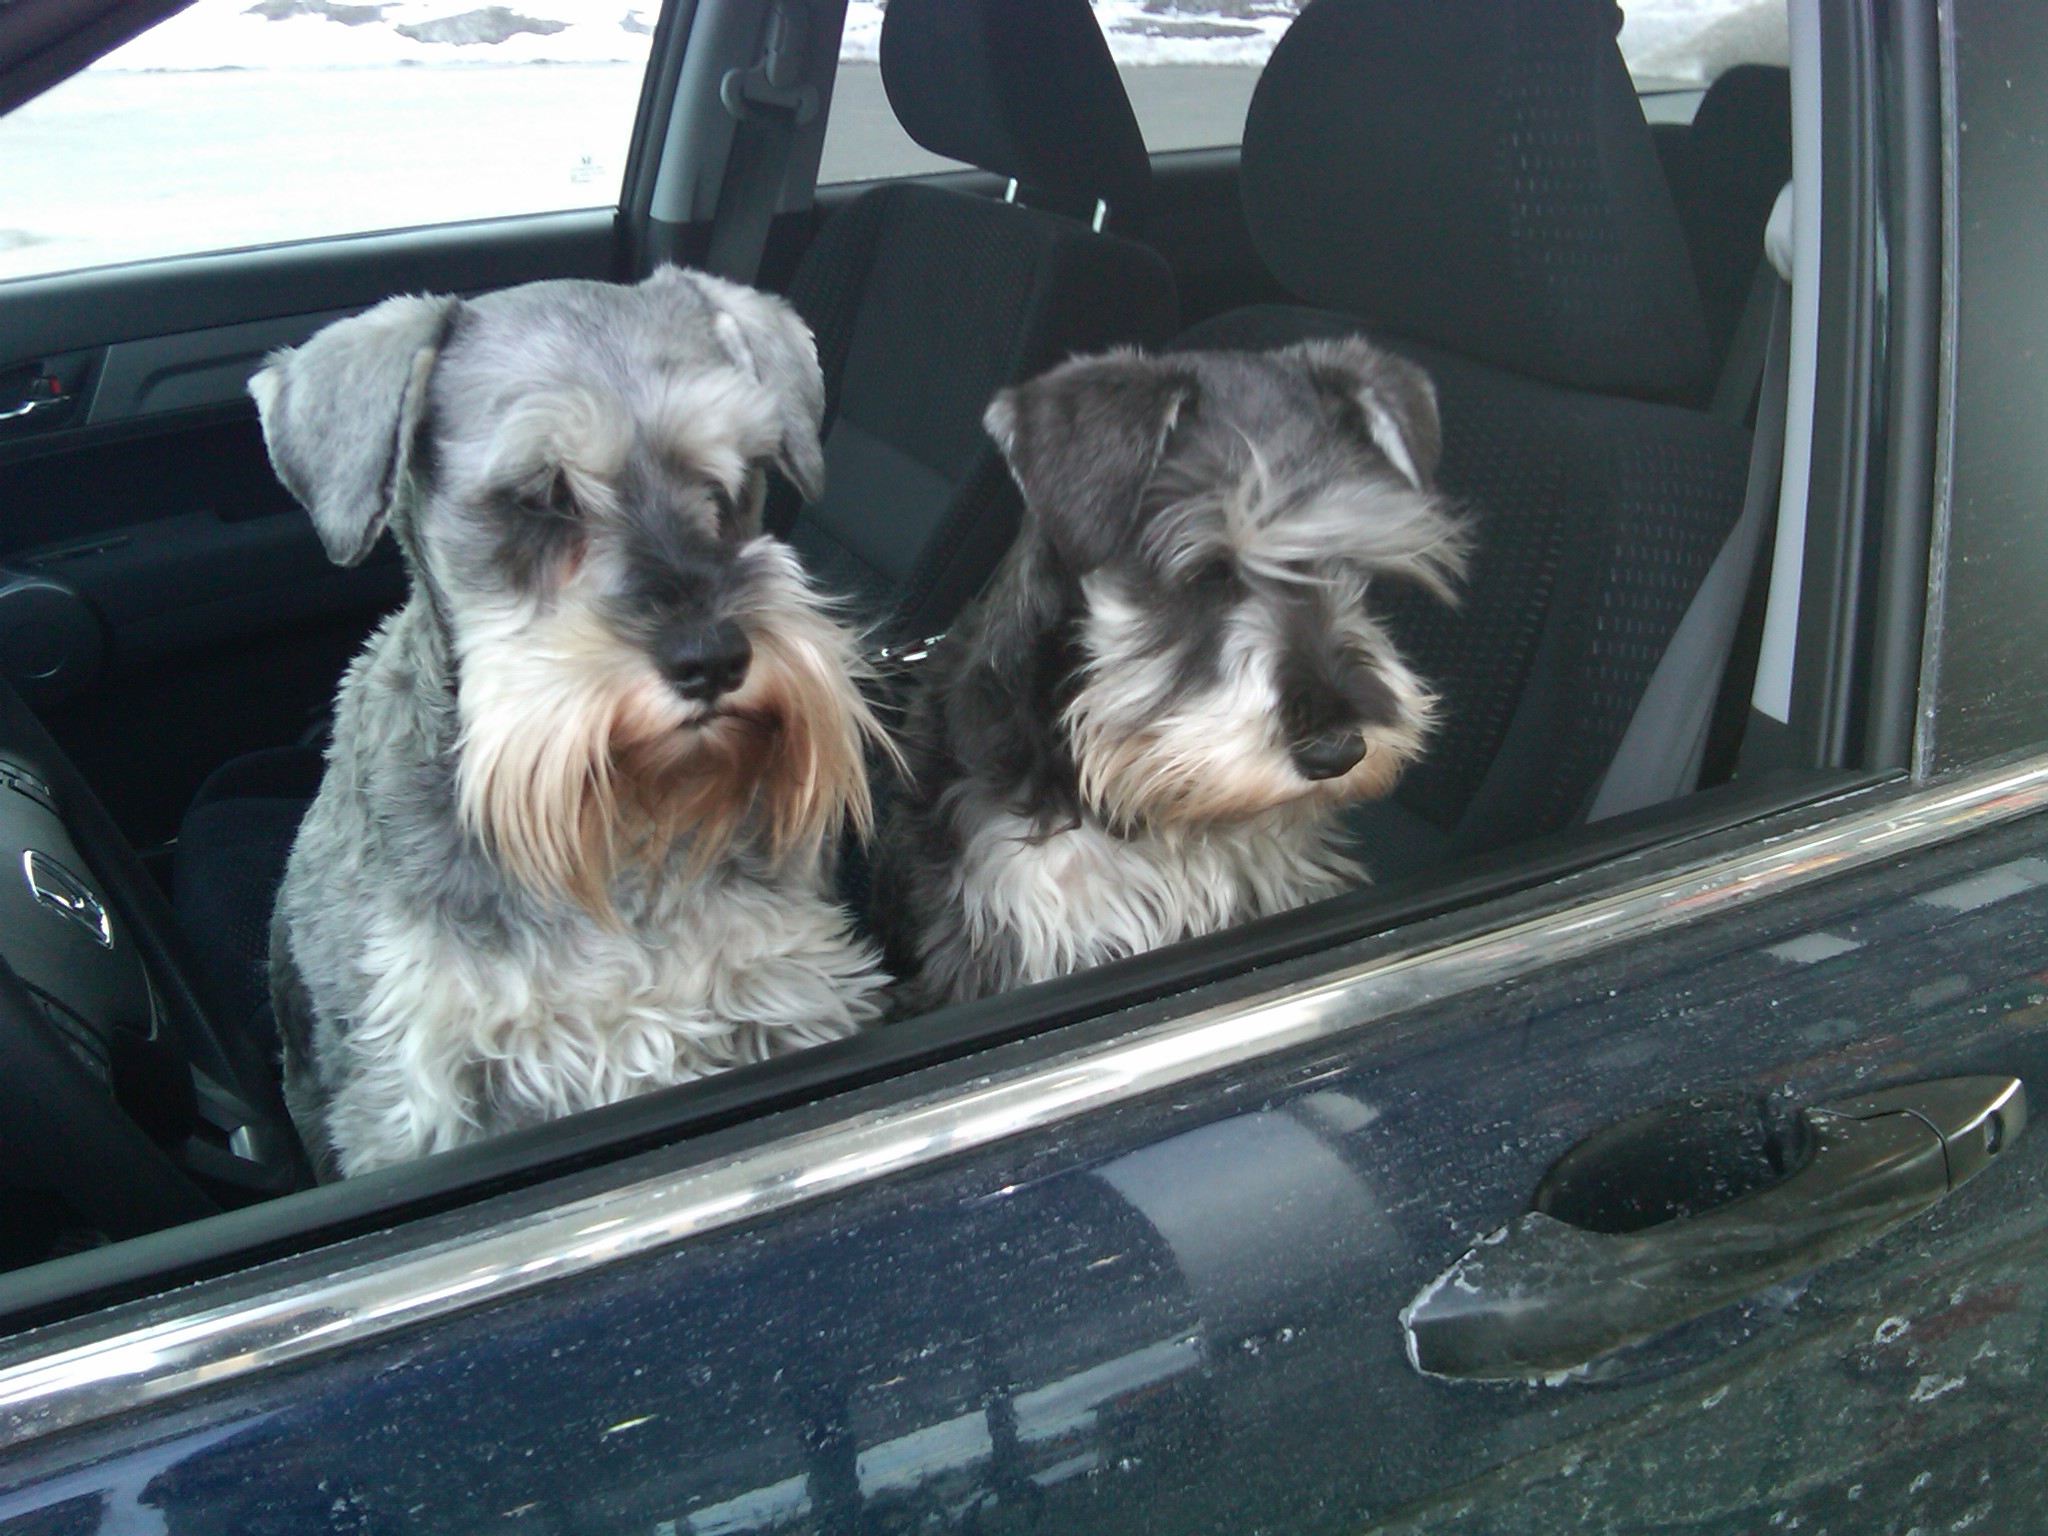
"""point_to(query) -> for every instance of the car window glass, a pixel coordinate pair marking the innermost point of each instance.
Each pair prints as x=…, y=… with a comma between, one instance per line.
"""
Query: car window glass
x=1675, y=49
x=1190, y=66
x=238, y=124
x=863, y=140
x=482, y=105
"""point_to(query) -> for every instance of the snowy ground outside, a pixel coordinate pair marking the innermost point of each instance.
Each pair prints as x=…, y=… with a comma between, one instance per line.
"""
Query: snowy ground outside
x=237, y=123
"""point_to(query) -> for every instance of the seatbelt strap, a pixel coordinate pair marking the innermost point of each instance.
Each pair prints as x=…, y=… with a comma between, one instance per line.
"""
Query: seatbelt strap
x=769, y=104
x=1742, y=370
x=1729, y=727
x=1661, y=752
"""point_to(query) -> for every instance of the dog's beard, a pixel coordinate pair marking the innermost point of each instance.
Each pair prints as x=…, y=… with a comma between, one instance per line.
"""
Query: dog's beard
x=578, y=761
x=1149, y=753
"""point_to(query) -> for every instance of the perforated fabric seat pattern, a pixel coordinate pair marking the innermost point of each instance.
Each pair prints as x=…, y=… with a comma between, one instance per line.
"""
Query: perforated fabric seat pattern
x=924, y=303
x=1594, y=521
x=1673, y=493
x=1477, y=174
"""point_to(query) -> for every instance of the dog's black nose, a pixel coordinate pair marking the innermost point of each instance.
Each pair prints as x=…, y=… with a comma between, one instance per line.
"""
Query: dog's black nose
x=702, y=663
x=1330, y=755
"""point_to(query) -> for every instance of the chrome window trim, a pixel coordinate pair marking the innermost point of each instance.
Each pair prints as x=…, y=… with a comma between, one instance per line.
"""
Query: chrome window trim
x=71, y=1374
x=1943, y=508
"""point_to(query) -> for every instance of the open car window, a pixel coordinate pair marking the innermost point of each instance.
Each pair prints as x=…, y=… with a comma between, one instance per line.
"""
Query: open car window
x=1189, y=56
x=545, y=127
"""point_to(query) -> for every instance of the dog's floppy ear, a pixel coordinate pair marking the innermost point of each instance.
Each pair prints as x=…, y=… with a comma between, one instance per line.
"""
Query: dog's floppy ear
x=1387, y=399
x=340, y=413
x=1084, y=439
x=763, y=335
x=1001, y=708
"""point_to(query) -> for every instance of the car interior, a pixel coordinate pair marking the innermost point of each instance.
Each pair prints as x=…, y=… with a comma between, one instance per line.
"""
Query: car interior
x=1479, y=188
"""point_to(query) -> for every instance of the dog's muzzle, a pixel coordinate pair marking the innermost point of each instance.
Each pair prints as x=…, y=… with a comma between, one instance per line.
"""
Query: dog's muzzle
x=704, y=662
x=1328, y=756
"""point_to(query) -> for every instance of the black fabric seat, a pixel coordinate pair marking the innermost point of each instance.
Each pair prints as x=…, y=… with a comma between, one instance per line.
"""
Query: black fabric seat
x=925, y=302
x=1725, y=169
x=1472, y=183
x=229, y=862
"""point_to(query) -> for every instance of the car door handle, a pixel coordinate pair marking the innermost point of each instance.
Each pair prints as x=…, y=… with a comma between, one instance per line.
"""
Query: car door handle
x=35, y=407
x=1542, y=1296
x=43, y=393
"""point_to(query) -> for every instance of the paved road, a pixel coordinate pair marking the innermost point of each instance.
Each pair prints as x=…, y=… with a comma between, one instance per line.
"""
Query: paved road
x=121, y=167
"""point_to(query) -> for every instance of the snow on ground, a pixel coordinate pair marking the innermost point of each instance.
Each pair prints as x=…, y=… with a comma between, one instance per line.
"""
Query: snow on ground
x=327, y=34
x=1693, y=41
x=1673, y=39
x=1141, y=31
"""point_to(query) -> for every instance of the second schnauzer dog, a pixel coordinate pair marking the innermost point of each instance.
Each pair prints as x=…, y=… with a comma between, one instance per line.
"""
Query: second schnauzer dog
x=1147, y=726
x=573, y=836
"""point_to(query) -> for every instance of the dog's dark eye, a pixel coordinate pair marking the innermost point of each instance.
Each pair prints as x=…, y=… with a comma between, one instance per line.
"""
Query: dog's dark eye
x=553, y=498
x=1215, y=573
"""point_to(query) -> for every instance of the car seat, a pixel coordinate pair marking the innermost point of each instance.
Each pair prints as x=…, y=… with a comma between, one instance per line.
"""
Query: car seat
x=1472, y=182
x=1725, y=169
x=927, y=301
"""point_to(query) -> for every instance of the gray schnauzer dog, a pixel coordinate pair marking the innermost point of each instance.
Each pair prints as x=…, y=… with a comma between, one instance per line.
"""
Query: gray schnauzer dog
x=1146, y=728
x=573, y=838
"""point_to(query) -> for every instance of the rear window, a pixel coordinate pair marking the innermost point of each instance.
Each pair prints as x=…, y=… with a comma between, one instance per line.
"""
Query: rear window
x=1190, y=67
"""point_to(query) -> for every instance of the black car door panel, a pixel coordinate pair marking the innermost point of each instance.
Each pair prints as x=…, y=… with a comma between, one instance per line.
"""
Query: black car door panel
x=220, y=625
x=193, y=370
x=100, y=306
x=1187, y=1316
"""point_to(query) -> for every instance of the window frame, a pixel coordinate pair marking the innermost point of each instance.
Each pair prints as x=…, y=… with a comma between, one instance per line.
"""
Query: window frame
x=1712, y=852
x=1984, y=673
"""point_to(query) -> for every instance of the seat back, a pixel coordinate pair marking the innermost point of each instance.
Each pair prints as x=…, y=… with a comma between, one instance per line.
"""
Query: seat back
x=1726, y=168
x=926, y=301
x=1472, y=182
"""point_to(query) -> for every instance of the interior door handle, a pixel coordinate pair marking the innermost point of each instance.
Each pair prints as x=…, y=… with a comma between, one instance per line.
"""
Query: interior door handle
x=44, y=393
x=35, y=406
x=1541, y=1296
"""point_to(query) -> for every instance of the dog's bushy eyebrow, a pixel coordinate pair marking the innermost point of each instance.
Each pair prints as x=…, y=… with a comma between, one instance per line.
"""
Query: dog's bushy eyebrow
x=1300, y=528
x=1372, y=526
x=584, y=433
x=717, y=425
x=1185, y=531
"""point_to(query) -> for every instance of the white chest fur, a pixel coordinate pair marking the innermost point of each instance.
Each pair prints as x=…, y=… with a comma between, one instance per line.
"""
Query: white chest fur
x=450, y=1042
x=1082, y=896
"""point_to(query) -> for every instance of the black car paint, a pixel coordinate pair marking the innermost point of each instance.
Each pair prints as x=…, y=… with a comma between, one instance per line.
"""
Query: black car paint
x=1185, y=1316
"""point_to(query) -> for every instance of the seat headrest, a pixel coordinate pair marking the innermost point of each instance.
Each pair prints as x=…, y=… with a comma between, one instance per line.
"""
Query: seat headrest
x=1024, y=88
x=1743, y=127
x=1476, y=174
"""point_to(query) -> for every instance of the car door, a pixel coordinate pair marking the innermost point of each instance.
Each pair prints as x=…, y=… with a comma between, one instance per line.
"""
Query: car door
x=1158, y=1281
x=222, y=185
x=1180, y=1264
